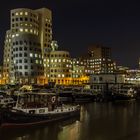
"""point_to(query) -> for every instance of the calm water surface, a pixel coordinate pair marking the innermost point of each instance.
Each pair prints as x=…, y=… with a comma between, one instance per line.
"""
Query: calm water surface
x=98, y=121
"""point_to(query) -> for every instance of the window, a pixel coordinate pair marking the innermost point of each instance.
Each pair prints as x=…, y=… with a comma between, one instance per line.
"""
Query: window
x=25, y=54
x=20, y=55
x=16, y=42
x=100, y=78
x=25, y=61
x=25, y=67
x=31, y=55
x=21, y=30
x=21, y=19
x=20, y=60
x=16, y=14
x=20, y=67
x=25, y=48
x=26, y=30
x=26, y=13
x=21, y=13
x=20, y=42
x=26, y=19
x=31, y=60
x=26, y=73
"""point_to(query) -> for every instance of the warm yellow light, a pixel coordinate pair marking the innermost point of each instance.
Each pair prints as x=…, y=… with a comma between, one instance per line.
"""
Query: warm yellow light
x=21, y=29
x=26, y=13
x=21, y=13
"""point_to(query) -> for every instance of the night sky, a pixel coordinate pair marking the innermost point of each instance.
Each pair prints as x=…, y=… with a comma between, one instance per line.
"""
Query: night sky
x=80, y=23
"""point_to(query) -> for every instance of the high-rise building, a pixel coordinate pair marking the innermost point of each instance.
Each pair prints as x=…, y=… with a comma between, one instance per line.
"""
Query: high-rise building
x=98, y=60
x=26, y=44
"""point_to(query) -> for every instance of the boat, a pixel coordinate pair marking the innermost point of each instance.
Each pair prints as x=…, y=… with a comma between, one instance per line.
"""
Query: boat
x=65, y=94
x=35, y=109
x=6, y=101
x=123, y=93
x=83, y=95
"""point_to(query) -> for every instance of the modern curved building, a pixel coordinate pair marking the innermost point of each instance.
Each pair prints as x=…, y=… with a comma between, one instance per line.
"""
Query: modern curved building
x=27, y=58
x=26, y=44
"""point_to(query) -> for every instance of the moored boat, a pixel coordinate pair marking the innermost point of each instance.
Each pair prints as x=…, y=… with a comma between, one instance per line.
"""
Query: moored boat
x=83, y=95
x=36, y=109
x=6, y=101
x=124, y=93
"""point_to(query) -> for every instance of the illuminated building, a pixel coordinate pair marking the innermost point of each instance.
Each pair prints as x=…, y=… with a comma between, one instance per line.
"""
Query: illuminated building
x=26, y=44
x=122, y=69
x=58, y=66
x=98, y=60
x=132, y=76
x=78, y=73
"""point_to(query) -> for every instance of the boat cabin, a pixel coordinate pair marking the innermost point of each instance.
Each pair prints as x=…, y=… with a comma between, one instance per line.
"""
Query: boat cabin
x=37, y=100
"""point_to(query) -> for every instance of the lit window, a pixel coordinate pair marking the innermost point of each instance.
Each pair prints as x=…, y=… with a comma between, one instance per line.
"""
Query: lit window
x=17, y=34
x=63, y=75
x=31, y=31
x=36, y=61
x=21, y=30
x=55, y=60
x=16, y=14
x=59, y=75
x=59, y=60
x=26, y=30
x=13, y=36
x=21, y=13
x=35, y=55
x=31, y=55
x=26, y=13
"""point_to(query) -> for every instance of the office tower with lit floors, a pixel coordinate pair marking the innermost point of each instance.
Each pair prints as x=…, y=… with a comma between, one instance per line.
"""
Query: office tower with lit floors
x=26, y=43
x=98, y=60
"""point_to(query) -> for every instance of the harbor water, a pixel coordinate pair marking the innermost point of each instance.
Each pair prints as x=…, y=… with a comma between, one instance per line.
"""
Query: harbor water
x=98, y=121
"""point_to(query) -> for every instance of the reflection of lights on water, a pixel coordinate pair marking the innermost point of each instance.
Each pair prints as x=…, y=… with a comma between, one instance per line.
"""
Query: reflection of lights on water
x=70, y=131
x=83, y=114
